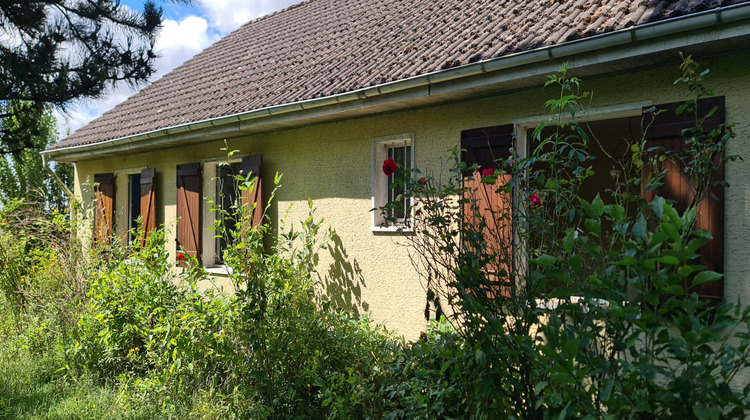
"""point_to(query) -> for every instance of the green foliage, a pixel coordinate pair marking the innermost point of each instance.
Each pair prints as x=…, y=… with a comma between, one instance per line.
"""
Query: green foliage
x=22, y=174
x=585, y=310
x=274, y=348
x=586, y=316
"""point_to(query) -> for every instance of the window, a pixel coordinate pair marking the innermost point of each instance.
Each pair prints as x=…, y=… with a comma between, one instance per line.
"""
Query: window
x=195, y=220
x=134, y=203
x=616, y=128
x=227, y=194
x=400, y=148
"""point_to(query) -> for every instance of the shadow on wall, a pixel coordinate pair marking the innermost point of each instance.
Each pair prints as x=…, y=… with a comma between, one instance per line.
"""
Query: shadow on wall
x=343, y=283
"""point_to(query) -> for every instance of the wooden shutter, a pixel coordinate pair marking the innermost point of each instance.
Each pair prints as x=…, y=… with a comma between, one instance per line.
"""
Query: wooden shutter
x=189, y=210
x=251, y=165
x=666, y=131
x=104, y=206
x=484, y=146
x=148, y=201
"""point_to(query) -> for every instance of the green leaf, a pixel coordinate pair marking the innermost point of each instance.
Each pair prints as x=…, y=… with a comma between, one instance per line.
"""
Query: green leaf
x=538, y=388
x=597, y=206
x=668, y=259
x=445, y=367
x=671, y=230
x=639, y=228
x=616, y=211
x=545, y=261
x=561, y=292
x=706, y=276
x=569, y=240
x=674, y=289
x=594, y=227
x=606, y=390
x=706, y=413
x=575, y=262
x=657, y=206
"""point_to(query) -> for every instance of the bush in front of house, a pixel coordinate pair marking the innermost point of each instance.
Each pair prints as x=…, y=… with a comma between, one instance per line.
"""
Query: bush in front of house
x=274, y=348
x=572, y=307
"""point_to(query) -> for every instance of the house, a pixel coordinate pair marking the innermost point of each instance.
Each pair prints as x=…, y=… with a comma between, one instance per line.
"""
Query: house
x=325, y=90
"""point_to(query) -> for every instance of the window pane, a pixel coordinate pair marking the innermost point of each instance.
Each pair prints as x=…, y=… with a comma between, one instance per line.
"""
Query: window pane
x=134, y=202
x=226, y=197
x=402, y=156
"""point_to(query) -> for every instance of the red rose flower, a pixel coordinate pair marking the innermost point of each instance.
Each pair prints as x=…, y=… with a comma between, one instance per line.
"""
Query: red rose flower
x=423, y=181
x=488, y=172
x=180, y=257
x=535, y=199
x=389, y=166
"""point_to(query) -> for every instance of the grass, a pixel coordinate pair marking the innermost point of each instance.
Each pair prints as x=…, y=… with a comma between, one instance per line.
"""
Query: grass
x=33, y=386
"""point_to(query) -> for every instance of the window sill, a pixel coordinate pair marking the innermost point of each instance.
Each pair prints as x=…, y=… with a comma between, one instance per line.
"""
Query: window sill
x=552, y=304
x=392, y=229
x=220, y=270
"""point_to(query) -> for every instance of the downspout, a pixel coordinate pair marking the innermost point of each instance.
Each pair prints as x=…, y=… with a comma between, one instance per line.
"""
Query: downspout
x=71, y=197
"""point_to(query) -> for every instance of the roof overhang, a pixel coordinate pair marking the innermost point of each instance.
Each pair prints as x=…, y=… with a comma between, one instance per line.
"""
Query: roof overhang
x=718, y=31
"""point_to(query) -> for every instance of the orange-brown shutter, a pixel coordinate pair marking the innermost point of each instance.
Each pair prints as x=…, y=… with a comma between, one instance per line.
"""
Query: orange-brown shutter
x=104, y=205
x=251, y=166
x=666, y=131
x=148, y=200
x=485, y=146
x=189, y=210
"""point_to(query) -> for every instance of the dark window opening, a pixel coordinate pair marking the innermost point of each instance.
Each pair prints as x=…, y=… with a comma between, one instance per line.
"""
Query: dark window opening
x=227, y=195
x=134, y=204
x=402, y=156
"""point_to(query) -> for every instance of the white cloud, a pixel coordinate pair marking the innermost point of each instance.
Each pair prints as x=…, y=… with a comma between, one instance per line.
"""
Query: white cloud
x=178, y=41
x=228, y=15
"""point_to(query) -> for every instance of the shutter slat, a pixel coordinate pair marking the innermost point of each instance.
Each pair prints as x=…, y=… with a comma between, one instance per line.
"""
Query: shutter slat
x=148, y=201
x=666, y=131
x=484, y=146
x=188, y=210
x=104, y=194
x=252, y=165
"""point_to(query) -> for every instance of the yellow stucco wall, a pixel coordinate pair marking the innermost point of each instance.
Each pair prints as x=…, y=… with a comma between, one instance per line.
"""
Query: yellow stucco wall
x=331, y=164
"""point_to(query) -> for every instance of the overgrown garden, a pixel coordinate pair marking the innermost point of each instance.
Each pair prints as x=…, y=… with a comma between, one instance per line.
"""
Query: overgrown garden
x=556, y=305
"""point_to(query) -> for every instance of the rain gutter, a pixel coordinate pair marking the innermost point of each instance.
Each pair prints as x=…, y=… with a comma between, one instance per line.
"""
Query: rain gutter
x=682, y=24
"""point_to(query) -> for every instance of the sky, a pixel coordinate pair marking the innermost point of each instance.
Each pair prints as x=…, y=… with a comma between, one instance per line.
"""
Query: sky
x=187, y=30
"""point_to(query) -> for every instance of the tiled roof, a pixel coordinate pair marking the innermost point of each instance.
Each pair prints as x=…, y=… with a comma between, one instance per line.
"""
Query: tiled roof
x=323, y=47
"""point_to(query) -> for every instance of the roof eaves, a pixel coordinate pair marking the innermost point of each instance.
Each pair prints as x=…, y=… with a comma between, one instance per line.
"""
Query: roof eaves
x=643, y=32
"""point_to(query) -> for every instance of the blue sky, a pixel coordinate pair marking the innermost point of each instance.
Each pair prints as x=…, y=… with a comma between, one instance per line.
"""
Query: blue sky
x=187, y=30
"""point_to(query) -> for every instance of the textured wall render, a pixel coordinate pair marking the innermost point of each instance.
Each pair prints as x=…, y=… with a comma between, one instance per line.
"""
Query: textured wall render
x=331, y=164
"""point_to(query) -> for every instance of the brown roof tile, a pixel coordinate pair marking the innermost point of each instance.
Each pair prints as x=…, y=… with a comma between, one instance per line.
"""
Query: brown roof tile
x=324, y=47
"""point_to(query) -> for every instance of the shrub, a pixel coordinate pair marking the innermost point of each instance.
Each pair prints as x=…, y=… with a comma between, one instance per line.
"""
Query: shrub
x=272, y=349
x=583, y=310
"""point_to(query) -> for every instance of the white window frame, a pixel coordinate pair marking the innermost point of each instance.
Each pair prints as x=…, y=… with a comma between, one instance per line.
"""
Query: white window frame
x=380, y=187
x=128, y=217
x=523, y=146
x=208, y=241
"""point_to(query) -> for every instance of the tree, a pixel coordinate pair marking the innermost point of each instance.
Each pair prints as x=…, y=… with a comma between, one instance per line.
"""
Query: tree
x=22, y=174
x=55, y=51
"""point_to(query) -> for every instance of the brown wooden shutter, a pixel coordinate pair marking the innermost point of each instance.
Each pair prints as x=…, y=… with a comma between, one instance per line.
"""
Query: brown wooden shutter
x=148, y=200
x=484, y=146
x=666, y=131
x=251, y=165
x=189, y=210
x=104, y=206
